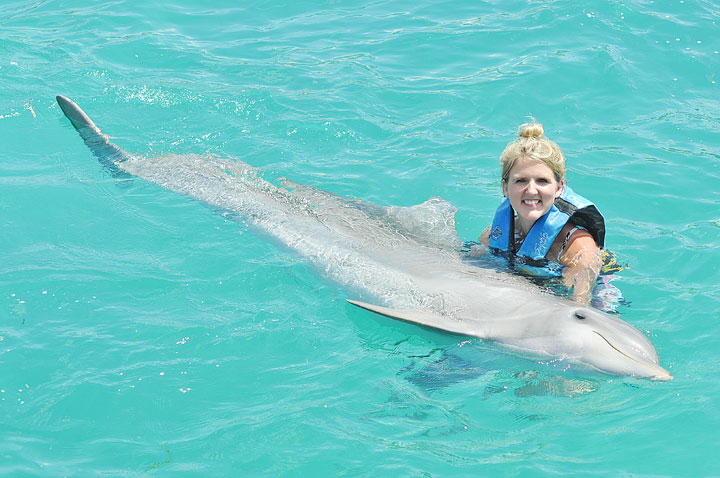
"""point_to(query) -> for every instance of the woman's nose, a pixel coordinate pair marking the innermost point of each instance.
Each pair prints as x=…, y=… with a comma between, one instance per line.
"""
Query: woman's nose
x=531, y=187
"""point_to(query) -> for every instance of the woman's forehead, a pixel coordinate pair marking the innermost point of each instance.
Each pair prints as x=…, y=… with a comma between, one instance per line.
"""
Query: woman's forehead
x=525, y=166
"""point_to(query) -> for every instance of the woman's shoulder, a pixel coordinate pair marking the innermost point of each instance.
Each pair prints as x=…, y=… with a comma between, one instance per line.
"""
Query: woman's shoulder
x=571, y=241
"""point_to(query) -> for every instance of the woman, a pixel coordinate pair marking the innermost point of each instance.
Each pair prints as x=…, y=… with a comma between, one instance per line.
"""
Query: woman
x=542, y=227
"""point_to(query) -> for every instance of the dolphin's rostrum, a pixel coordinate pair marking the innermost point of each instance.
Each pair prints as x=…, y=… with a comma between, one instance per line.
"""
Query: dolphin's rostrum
x=403, y=258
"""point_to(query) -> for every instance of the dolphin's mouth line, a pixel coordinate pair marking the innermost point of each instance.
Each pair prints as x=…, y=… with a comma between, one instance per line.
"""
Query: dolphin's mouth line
x=644, y=364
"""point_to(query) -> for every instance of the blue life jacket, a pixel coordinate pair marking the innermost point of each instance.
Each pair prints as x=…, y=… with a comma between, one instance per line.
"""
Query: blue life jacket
x=530, y=258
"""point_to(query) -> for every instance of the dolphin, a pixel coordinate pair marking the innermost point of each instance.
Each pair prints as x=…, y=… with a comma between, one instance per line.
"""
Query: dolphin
x=402, y=261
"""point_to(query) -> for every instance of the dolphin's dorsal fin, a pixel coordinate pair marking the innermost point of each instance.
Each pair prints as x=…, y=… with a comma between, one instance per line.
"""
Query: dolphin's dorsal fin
x=421, y=317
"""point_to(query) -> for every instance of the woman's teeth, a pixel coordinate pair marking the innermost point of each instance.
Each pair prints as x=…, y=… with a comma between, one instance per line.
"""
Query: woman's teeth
x=531, y=202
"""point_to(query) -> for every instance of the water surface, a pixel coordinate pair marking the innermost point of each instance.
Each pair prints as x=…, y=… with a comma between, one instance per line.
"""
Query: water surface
x=145, y=334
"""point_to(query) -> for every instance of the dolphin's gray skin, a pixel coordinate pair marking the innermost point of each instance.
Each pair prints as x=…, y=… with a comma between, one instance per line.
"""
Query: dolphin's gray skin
x=403, y=258
x=106, y=152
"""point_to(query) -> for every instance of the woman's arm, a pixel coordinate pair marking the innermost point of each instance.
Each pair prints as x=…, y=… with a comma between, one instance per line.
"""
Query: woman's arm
x=581, y=260
x=484, y=240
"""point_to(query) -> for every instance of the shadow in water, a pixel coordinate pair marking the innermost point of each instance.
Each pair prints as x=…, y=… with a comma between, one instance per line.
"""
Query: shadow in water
x=497, y=373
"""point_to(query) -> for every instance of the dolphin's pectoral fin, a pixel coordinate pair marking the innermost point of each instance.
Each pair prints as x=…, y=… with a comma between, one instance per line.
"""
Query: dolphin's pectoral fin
x=420, y=317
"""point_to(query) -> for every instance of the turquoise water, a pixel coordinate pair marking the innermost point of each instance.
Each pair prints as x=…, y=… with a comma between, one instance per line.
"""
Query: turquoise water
x=145, y=334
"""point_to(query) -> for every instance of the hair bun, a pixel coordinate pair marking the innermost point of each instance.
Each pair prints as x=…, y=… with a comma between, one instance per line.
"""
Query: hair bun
x=531, y=130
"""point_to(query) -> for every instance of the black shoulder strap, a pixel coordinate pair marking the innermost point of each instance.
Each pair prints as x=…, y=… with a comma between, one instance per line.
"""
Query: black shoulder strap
x=588, y=217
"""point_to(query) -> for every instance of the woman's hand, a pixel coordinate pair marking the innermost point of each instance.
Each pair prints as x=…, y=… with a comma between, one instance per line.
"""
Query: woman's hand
x=482, y=248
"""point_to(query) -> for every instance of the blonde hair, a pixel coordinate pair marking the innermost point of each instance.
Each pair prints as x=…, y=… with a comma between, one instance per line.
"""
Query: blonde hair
x=533, y=145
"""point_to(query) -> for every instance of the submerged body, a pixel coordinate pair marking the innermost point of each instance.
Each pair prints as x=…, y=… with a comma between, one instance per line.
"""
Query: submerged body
x=404, y=259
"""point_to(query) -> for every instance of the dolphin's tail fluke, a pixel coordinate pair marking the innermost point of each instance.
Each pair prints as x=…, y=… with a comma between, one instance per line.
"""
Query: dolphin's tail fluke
x=107, y=153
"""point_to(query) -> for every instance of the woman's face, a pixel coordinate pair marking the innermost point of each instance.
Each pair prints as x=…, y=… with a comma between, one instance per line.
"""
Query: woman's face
x=532, y=189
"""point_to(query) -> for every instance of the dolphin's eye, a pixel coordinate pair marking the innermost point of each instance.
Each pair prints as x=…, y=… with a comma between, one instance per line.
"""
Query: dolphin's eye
x=579, y=316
